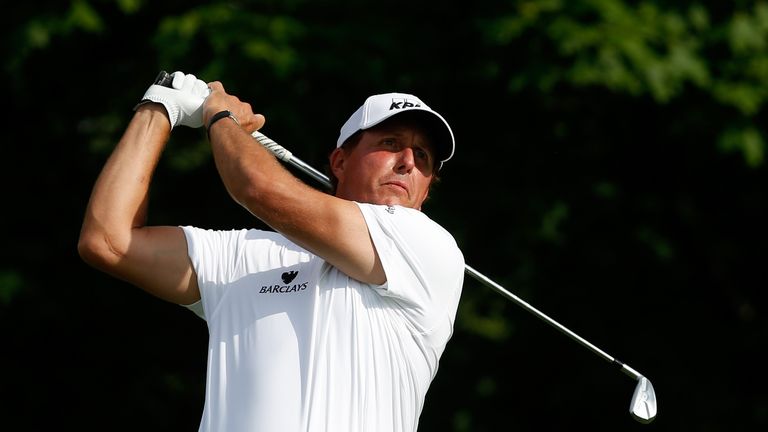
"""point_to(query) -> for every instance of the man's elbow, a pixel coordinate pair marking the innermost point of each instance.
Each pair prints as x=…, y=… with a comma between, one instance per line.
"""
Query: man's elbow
x=98, y=250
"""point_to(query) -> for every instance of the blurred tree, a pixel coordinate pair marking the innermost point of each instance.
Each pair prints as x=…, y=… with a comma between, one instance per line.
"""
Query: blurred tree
x=610, y=169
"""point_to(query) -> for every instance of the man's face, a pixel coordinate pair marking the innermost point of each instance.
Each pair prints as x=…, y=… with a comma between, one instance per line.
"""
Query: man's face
x=392, y=165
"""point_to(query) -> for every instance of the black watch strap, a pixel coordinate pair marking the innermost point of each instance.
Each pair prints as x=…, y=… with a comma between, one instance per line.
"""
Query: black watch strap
x=218, y=116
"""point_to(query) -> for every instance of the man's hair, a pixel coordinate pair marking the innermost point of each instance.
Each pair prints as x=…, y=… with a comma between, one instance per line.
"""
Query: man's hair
x=413, y=119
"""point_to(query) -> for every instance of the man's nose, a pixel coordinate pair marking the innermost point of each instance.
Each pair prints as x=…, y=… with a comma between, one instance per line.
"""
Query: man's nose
x=406, y=160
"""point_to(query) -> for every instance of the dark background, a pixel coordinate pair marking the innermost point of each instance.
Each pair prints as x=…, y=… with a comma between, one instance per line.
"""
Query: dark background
x=610, y=170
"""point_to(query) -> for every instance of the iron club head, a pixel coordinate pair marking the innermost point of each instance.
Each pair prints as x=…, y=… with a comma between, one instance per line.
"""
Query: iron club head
x=643, y=405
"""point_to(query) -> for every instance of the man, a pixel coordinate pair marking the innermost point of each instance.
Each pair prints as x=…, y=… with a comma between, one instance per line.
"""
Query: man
x=333, y=322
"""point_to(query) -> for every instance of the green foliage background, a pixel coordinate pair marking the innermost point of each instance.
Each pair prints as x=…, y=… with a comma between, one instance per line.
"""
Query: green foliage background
x=610, y=170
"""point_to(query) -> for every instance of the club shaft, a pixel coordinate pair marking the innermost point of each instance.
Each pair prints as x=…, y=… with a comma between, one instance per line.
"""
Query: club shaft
x=544, y=317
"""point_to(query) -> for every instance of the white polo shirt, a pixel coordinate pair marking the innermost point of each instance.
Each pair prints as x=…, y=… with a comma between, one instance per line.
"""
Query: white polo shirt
x=297, y=345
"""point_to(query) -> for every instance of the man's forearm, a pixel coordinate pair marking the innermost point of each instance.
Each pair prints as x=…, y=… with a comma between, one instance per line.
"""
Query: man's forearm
x=119, y=198
x=251, y=174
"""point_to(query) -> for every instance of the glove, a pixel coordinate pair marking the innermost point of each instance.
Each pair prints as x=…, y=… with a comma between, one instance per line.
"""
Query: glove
x=183, y=100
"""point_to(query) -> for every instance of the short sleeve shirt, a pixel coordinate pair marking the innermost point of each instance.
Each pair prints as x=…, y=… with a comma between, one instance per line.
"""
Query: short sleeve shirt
x=297, y=345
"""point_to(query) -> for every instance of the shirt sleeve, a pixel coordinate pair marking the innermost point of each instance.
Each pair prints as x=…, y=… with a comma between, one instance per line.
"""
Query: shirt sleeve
x=220, y=258
x=197, y=308
x=213, y=256
x=423, y=265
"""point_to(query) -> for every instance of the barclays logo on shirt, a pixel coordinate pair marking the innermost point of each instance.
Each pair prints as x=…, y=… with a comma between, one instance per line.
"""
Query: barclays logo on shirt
x=287, y=278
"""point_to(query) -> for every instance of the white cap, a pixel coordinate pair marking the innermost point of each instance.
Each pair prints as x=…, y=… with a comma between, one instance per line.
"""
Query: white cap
x=380, y=107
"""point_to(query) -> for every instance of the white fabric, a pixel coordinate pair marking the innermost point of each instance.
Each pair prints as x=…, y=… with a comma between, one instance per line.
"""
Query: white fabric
x=183, y=99
x=322, y=351
x=380, y=107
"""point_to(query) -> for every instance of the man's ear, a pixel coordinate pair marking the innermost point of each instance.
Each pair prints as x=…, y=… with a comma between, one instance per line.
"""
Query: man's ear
x=337, y=159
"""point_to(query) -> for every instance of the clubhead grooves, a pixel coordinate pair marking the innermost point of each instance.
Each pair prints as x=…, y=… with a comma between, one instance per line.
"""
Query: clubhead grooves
x=643, y=405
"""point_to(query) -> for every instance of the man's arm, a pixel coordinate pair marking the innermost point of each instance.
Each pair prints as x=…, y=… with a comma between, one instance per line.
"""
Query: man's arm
x=114, y=237
x=329, y=227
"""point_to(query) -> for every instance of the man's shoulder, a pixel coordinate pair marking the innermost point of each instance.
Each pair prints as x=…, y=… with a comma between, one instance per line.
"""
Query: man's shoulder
x=410, y=221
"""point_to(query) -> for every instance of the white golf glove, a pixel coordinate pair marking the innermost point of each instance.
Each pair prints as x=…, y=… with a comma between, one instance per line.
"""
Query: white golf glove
x=183, y=100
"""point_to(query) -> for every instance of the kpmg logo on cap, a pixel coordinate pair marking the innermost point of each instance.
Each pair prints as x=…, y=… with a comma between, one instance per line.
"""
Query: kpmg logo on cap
x=400, y=103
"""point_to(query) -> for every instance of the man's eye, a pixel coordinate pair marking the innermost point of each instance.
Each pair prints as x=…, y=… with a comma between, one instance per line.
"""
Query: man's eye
x=388, y=142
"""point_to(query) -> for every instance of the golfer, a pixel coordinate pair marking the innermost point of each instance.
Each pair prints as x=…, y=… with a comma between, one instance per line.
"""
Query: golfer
x=334, y=320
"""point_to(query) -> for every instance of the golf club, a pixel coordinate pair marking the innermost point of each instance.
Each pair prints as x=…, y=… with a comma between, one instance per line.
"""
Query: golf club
x=643, y=404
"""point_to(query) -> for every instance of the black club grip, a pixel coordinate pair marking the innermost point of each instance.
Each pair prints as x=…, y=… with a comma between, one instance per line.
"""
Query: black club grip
x=164, y=79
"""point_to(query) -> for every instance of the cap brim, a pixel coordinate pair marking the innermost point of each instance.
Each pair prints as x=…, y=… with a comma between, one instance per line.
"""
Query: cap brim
x=441, y=133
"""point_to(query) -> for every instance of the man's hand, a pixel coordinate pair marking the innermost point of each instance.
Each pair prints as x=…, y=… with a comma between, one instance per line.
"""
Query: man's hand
x=183, y=100
x=219, y=100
